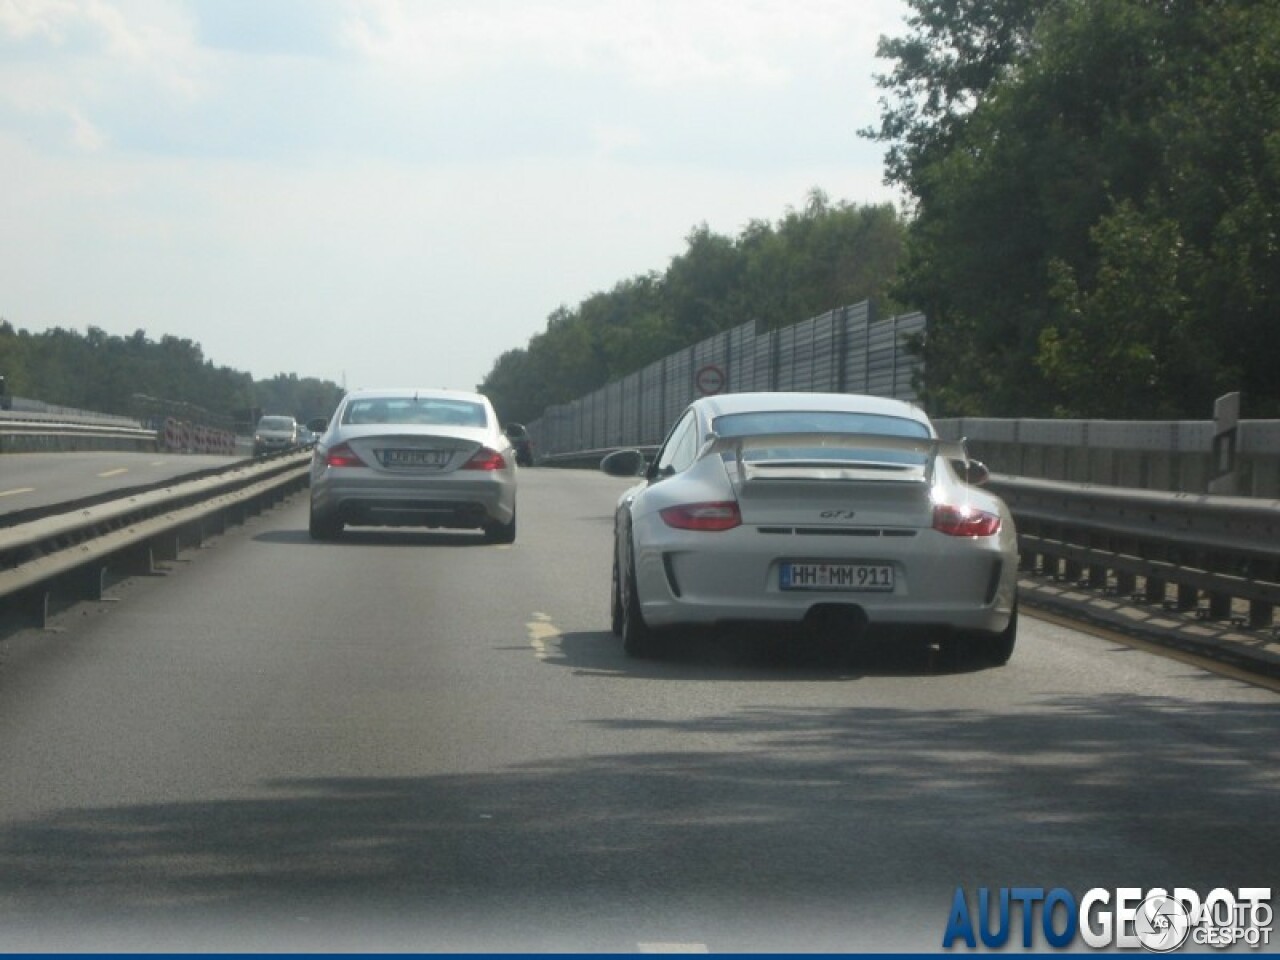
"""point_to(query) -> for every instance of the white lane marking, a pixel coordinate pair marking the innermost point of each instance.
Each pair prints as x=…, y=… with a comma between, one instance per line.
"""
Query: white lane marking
x=672, y=947
x=17, y=490
x=114, y=473
x=541, y=632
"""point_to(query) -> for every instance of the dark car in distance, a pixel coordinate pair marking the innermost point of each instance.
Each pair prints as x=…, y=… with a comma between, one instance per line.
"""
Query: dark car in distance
x=518, y=434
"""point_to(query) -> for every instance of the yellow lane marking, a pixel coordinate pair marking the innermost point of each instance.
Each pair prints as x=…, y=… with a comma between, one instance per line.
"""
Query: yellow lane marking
x=17, y=490
x=114, y=473
x=541, y=632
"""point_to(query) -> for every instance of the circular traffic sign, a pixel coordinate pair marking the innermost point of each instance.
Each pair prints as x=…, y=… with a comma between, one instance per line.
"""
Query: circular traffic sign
x=709, y=380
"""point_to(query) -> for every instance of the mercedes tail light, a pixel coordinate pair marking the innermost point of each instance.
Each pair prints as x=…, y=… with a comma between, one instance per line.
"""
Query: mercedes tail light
x=717, y=515
x=964, y=521
x=341, y=456
x=485, y=459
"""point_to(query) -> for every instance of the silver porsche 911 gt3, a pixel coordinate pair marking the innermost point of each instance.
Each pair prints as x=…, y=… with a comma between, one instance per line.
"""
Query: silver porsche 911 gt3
x=843, y=513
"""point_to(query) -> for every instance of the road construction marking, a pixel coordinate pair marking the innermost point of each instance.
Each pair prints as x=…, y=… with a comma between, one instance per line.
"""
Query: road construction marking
x=16, y=491
x=541, y=632
x=114, y=473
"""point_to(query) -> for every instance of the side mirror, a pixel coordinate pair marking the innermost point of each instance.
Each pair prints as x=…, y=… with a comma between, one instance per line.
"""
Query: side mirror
x=624, y=463
x=318, y=425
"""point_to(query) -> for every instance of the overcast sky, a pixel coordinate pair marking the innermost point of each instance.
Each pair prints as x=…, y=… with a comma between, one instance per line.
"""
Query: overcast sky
x=383, y=192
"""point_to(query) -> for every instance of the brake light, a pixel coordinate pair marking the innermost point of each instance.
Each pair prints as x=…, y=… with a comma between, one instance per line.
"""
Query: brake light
x=719, y=515
x=485, y=459
x=342, y=456
x=964, y=521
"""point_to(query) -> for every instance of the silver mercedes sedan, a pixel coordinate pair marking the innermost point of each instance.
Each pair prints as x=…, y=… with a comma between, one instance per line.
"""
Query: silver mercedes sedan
x=416, y=458
x=843, y=514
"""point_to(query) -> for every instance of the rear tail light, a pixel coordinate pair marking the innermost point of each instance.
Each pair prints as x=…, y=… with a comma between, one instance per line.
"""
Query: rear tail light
x=719, y=515
x=485, y=459
x=342, y=456
x=964, y=521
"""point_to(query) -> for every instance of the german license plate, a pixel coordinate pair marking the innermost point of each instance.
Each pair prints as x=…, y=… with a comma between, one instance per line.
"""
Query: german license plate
x=837, y=576
x=415, y=458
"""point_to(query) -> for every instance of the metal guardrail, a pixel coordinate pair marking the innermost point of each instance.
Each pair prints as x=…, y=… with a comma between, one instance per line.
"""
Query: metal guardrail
x=72, y=554
x=1217, y=555
x=34, y=431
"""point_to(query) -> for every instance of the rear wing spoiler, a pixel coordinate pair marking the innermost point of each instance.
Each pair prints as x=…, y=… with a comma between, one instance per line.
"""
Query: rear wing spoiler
x=931, y=448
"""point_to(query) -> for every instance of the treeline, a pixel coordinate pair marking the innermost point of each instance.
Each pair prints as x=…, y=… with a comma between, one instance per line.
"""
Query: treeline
x=822, y=256
x=110, y=374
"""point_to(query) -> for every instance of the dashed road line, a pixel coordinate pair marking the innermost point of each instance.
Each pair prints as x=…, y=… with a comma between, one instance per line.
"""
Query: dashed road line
x=541, y=632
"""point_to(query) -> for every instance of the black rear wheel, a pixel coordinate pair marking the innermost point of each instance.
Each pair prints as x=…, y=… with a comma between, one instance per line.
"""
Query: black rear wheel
x=324, y=528
x=615, y=600
x=501, y=532
x=637, y=636
x=997, y=648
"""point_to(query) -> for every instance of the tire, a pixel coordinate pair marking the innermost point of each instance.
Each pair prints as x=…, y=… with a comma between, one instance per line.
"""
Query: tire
x=997, y=648
x=501, y=532
x=324, y=528
x=615, y=599
x=638, y=639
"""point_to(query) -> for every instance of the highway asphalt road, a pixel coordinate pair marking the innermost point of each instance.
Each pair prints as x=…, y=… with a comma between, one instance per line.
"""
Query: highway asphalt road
x=29, y=480
x=415, y=741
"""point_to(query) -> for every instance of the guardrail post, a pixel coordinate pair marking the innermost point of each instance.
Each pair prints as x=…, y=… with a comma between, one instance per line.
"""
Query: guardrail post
x=192, y=535
x=1260, y=615
x=1126, y=583
x=92, y=582
x=1097, y=576
x=1072, y=570
x=29, y=607
x=1219, y=606
x=165, y=548
x=1155, y=590
x=137, y=561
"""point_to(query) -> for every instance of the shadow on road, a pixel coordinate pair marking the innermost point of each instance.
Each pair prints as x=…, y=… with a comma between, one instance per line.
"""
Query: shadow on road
x=768, y=655
x=378, y=536
x=784, y=828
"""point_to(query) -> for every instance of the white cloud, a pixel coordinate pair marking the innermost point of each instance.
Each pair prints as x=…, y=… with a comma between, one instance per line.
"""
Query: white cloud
x=670, y=44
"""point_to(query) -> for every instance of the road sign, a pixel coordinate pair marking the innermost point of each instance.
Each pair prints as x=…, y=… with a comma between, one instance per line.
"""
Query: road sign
x=709, y=380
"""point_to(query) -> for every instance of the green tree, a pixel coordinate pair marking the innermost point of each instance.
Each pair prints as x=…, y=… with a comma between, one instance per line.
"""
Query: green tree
x=1059, y=165
x=107, y=374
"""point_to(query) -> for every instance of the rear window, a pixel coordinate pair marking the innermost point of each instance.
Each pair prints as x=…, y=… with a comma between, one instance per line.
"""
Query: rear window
x=276, y=423
x=426, y=411
x=766, y=422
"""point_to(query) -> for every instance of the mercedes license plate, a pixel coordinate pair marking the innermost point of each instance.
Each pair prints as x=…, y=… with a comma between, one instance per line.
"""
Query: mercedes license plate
x=837, y=576
x=415, y=458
